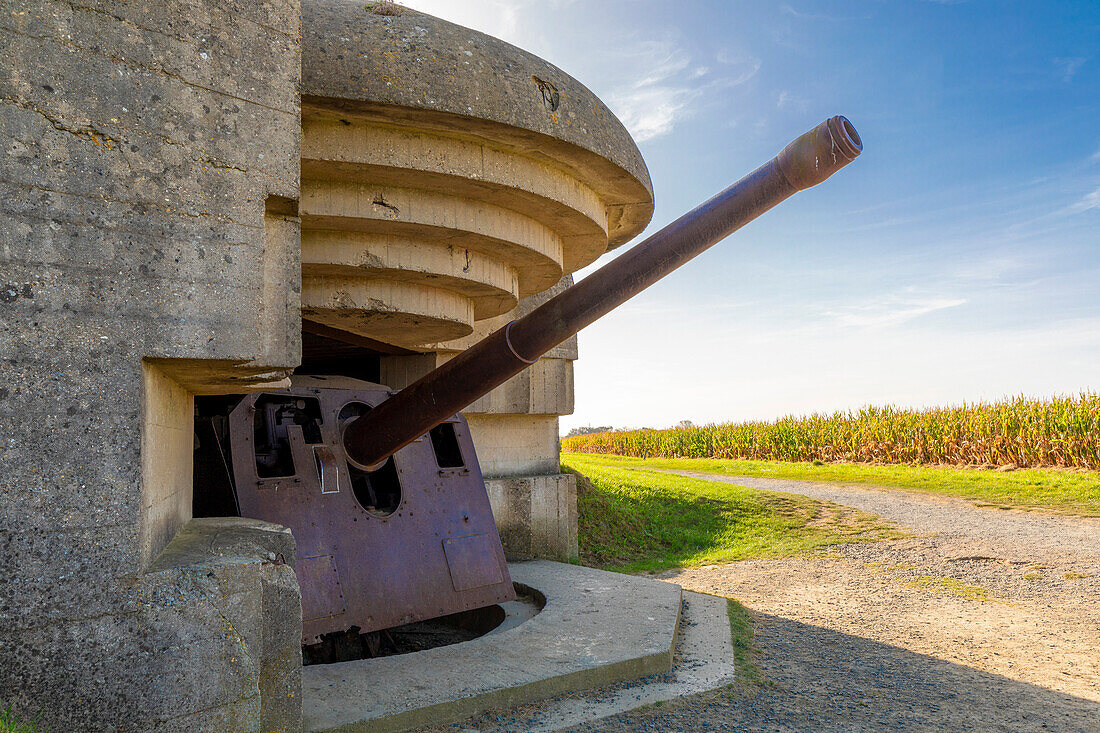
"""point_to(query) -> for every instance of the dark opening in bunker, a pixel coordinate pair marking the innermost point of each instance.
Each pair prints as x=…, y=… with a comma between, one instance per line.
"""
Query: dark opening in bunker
x=445, y=445
x=331, y=351
x=347, y=646
x=213, y=494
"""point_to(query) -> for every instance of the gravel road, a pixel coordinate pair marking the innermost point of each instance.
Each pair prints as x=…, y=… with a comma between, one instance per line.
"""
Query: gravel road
x=1053, y=536
x=986, y=620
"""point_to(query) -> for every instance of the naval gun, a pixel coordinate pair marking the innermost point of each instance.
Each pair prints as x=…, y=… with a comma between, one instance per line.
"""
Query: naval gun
x=382, y=489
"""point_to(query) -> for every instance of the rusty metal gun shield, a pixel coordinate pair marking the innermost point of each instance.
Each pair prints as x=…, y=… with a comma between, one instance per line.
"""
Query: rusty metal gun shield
x=413, y=539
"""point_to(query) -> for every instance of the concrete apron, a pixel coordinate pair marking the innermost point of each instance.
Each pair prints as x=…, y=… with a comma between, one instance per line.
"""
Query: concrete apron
x=597, y=628
x=703, y=661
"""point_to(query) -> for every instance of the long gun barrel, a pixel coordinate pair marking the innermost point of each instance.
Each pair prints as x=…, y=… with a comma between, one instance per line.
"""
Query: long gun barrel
x=809, y=160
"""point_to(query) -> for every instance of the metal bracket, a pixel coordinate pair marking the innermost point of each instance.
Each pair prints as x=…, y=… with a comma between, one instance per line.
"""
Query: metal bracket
x=330, y=469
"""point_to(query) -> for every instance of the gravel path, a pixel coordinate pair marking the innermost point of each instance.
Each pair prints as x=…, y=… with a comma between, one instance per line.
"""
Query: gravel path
x=986, y=619
x=1032, y=532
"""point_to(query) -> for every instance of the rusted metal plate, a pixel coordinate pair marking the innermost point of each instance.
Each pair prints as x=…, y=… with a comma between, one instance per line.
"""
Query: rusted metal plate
x=470, y=561
x=414, y=540
x=319, y=580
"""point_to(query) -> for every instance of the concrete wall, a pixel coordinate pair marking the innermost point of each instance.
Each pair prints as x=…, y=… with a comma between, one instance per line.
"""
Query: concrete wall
x=515, y=430
x=515, y=445
x=536, y=515
x=148, y=252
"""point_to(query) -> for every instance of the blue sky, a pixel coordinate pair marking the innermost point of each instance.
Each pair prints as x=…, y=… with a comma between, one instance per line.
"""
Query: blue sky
x=958, y=259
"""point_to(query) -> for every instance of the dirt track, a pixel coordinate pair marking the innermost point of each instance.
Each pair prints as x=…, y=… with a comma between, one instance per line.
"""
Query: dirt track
x=988, y=620
x=985, y=620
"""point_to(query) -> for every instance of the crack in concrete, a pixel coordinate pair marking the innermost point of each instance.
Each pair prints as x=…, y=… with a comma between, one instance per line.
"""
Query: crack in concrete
x=77, y=620
x=219, y=706
x=127, y=22
x=218, y=163
x=87, y=130
x=156, y=70
x=136, y=204
x=182, y=39
x=17, y=32
x=380, y=201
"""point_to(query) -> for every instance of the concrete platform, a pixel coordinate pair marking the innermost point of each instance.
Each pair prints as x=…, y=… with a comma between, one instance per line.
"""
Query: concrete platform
x=596, y=628
x=703, y=661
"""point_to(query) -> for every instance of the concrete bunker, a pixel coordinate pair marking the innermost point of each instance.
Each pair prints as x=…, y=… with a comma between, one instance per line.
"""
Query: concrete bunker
x=209, y=235
x=157, y=178
x=425, y=226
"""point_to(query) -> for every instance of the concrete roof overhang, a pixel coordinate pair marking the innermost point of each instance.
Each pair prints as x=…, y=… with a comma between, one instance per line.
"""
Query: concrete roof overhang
x=434, y=74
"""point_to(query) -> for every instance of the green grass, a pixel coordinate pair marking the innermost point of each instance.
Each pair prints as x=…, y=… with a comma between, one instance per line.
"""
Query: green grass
x=12, y=723
x=637, y=520
x=1051, y=490
x=744, y=651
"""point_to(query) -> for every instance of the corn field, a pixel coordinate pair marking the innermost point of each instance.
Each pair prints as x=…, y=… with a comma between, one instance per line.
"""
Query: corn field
x=1064, y=431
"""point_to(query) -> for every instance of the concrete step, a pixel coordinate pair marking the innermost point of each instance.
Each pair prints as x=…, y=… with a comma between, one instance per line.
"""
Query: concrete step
x=703, y=661
x=596, y=628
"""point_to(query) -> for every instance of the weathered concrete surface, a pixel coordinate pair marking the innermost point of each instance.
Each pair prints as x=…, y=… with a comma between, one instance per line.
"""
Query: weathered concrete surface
x=447, y=174
x=536, y=515
x=148, y=251
x=703, y=661
x=261, y=625
x=209, y=640
x=596, y=628
x=479, y=86
x=516, y=445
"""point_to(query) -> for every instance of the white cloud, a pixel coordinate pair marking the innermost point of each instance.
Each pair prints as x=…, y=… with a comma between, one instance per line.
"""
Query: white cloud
x=991, y=269
x=651, y=84
x=788, y=100
x=506, y=19
x=744, y=66
x=650, y=105
x=890, y=310
x=1089, y=201
x=1069, y=66
x=803, y=15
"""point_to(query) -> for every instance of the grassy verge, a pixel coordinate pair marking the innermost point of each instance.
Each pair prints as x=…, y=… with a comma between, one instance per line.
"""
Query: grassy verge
x=12, y=723
x=1052, y=490
x=950, y=586
x=744, y=651
x=637, y=520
